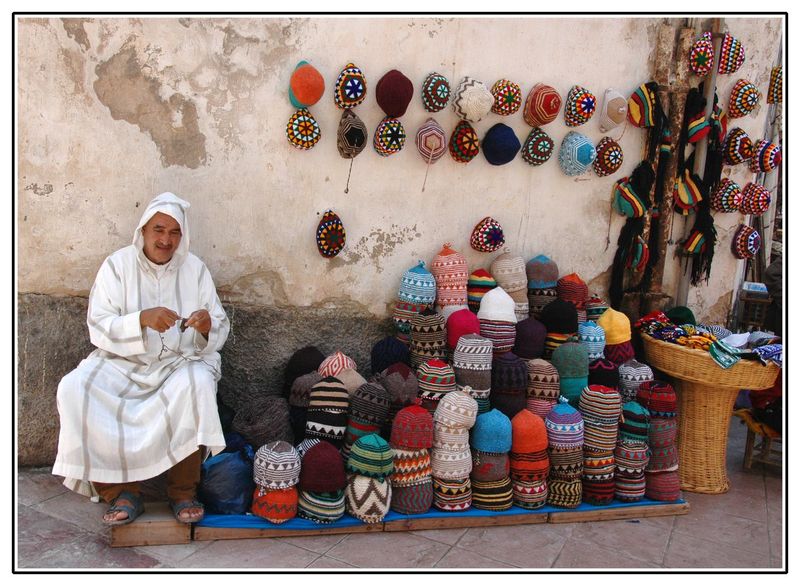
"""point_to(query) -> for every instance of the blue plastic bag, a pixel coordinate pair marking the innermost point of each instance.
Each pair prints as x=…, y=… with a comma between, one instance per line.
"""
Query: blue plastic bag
x=226, y=482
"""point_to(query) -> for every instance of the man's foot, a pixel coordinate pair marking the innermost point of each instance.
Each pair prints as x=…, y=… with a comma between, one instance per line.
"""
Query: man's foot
x=190, y=511
x=124, y=509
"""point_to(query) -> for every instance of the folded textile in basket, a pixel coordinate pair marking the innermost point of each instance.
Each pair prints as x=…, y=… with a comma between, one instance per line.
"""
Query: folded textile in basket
x=770, y=353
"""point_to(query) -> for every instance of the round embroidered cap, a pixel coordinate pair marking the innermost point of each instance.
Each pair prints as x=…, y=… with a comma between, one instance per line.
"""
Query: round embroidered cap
x=393, y=92
x=738, y=147
x=350, y=88
x=609, y=157
x=302, y=131
x=755, y=199
x=306, y=85
x=351, y=137
x=276, y=465
x=412, y=428
x=331, y=235
x=322, y=469
x=766, y=157
x=614, y=110
x=431, y=141
x=538, y=147
x=507, y=97
x=701, y=57
x=487, y=235
x=744, y=98
x=500, y=145
x=371, y=456
x=579, y=106
x=542, y=105
x=390, y=137
x=731, y=55
x=435, y=92
x=576, y=154
x=472, y=100
x=746, y=242
x=464, y=143
x=726, y=197
x=492, y=433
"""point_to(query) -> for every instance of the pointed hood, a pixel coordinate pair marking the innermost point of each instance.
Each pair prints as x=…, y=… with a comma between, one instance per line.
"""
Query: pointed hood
x=173, y=206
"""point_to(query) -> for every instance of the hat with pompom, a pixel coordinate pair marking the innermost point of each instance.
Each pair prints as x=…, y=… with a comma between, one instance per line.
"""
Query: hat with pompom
x=576, y=154
x=609, y=157
x=350, y=88
x=464, y=142
x=306, y=85
x=418, y=285
x=435, y=92
x=542, y=105
x=579, y=106
x=500, y=144
x=507, y=97
x=393, y=92
x=472, y=100
x=538, y=147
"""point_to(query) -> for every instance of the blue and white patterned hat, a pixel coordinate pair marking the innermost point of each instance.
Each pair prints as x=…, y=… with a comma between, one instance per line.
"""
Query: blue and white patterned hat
x=418, y=285
x=593, y=337
x=576, y=155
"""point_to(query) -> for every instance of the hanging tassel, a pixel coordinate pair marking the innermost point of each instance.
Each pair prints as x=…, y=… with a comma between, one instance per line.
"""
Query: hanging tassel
x=633, y=227
x=347, y=188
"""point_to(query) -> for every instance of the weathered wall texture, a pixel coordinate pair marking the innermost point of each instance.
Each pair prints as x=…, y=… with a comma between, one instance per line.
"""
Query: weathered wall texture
x=115, y=111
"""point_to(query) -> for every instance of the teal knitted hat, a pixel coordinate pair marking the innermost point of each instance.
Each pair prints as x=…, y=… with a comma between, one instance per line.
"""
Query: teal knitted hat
x=635, y=422
x=492, y=433
x=571, y=360
x=571, y=388
x=371, y=456
x=681, y=315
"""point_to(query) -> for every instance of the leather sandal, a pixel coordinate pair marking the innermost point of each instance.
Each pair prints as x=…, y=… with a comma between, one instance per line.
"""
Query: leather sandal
x=133, y=509
x=178, y=507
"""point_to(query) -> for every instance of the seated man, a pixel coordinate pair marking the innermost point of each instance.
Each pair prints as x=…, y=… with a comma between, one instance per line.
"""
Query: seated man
x=145, y=400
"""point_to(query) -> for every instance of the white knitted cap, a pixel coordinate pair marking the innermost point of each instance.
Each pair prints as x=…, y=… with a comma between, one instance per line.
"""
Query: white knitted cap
x=497, y=305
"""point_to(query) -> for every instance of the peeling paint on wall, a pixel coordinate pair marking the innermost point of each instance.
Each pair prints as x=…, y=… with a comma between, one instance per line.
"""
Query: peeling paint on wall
x=75, y=30
x=376, y=246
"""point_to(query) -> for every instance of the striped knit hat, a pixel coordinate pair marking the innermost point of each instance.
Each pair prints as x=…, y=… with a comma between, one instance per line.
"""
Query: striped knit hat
x=435, y=92
x=456, y=410
x=509, y=271
x=450, y=439
x=529, y=494
x=538, y=299
x=542, y=272
x=473, y=352
x=529, y=342
x=367, y=498
x=576, y=154
x=417, y=285
x=573, y=289
x=322, y=469
x=744, y=98
x=635, y=423
x=461, y=323
x=449, y=268
x=593, y=337
x=614, y=110
x=276, y=465
x=436, y=378
x=507, y=97
x=321, y=507
x=488, y=467
x=579, y=106
x=452, y=495
x=564, y=427
x=630, y=460
x=402, y=314
x=497, y=305
x=738, y=147
x=600, y=405
x=329, y=394
x=472, y=100
x=595, y=307
x=480, y=282
x=276, y=506
x=412, y=429
x=410, y=467
x=658, y=397
x=598, y=478
x=603, y=372
x=616, y=325
x=641, y=106
x=370, y=456
x=451, y=464
x=386, y=352
x=492, y=433
x=356, y=429
x=492, y=496
x=632, y=374
x=431, y=141
x=428, y=337
x=501, y=333
x=542, y=105
x=415, y=499
x=370, y=403
x=538, y=147
x=529, y=460
x=335, y=363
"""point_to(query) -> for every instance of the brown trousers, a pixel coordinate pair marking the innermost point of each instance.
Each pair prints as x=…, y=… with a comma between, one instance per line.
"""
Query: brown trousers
x=182, y=481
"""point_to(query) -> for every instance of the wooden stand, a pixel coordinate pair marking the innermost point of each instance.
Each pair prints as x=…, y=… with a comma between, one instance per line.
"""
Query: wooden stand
x=156, y=526
x=214, y=533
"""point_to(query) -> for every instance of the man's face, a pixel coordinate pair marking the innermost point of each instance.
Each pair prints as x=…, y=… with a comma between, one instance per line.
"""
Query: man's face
x=162, y=234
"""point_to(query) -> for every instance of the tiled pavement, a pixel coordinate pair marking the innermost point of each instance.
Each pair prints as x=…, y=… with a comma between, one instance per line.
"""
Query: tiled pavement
x=740, y=529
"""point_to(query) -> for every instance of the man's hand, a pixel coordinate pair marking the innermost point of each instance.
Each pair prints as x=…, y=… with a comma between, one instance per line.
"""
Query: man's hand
x=200, y=320
x=159, y=319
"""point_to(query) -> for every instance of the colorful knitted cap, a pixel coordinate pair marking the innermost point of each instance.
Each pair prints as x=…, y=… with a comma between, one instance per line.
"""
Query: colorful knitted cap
x=616, y=325
x=726, y=197
x=370, y=403
x=538, y=147
x=573, y=289
x=614, y=110
x=390, y=137
x=412, y=428
x=755, y=199
x=543, y=379
x=370, y=456
x=497, y=305
x=528, y=433
x=542, y=105
x=487, y=235
x=306, y=85
x=461, y=323
x=492, y=433
x=276, y=465
x=431, y=141
x=322, y=469
x=464, y=143
x=746, y=242
x=542, y=272
x=701, y=57
x=632, y=374
x=579, y=106
x=393, y=92
x=564, y=426
x=595, y=307
x=473, y=352
x=472, y=100
x=276, y=506
x=500, y=144
x=576, y=154
x=766, y=157
x=599, y=404
x=367, y=499
x=456, y=410
x=609, y=157
x=775, y=92
x=627, y=201
x=302, y=130
x=658, y=397
x=509, y=271
x=561, y=317
x=351, y=138
x=603, y=372
x=571, y=360
x=435, y=92
x=738, y=147
x=744, y=98
x=449, y=268
x=435, y=379
x=329, y=394
x=331, y=236
x=731, y=55
x=336, y=363
x=593, y=338
x=507, y=97
x=635, y=422
x=418, y=285
x=480, y=282
x=350, y=88
x=641, y=105
x=529, y=343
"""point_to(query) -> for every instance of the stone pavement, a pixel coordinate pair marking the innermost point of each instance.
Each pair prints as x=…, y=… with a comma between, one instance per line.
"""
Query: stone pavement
x=740, y=529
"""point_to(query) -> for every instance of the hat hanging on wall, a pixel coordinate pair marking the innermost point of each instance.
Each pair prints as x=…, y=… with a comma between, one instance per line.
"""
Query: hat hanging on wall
x=755, y=199
x=538, y=147
x=726, y=197
x=609, y=157
x=614, y=110
x=542, y=105
x=731, y=55
x=464, y=142
x=738, y=147
x=435, y=92
x=744, y=98
x=507, y=97
x=350, y=88
x=390, y=136
x=746, y=242
x=766, y=157
x=302, y=131
x=626, y=201
x=487, y=235
x=472, y=100
x=331, y=235
x=393, y=92
x=576, y=154
x=775, y=92
x=701, y=57
x=641, y=106
x=306, y=86
x=579, y=106
x=500, y=144
x=431, y=143
x=351, y=138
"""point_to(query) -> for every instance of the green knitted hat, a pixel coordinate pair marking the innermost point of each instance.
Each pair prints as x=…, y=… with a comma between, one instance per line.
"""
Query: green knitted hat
x=371, y=456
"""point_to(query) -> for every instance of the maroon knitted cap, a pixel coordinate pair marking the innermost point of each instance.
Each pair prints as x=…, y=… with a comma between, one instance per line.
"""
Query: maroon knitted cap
x=412, y=429
x=393, y=92
x=322, y=469
x=529, y=343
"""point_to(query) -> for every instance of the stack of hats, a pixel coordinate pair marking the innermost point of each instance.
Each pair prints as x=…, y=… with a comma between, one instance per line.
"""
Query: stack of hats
x=435, y=379
x=411, y=441
x=571, y=360
x=386, y=352
x=491, y=442
x=603, y=372
x=595, y=307
x=572, y=288
x=480, y=282
x=617, y=327
x=328, y=404
x=428, y=337
x=369, y=491
x=542, y=275
x=632, y=453
x=417, y=293
x=336, y=363
x=472, y=365
x=449, y=268
x=600, y=408
x=498, y=319
x=662, y=479
x=302, y=362
x=632, y=374
x=543, y=387
x=276, y=471
x=509, y=271
x=529, y=343
x=451, y=460
x=298, y=402
x=565, y=450
x=529, y=462
x=593, y=337
x=401, y=383
x=560, y=318
x=461, y=323
x=509, y=384
x=322, y=484
x=369, y=409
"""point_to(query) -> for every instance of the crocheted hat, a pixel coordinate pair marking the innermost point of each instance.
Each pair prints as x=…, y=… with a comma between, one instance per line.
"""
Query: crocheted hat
x=595, y=307
x=635, y=422
x=370, y=403
x=632, y=374
x=367, y=499
x=336, y=363
x=331, y=236
x=564, y=426
x=767, y=156
x=452, y=495
x=435, y=92
x=500, y=145
x=492, y=433
x=528, y=436
x=509, y=271
x=464, y=142
x=744, y=98
x=350, y=88
x=487, y=235
x=461, y=323
x=488, y=467
x=276, y=506
x=456, y=410
x=542, y=105
x=322, y=469
x=351, y=138
x=571, y=360
x=614, y=110
x=593, y=338
x=480, y=282
x=579, y=106
x=451, y=464
x=497, y=305
x=435, y=379
x=431, y=141
x=386, y=352
x=492, y=496
x=276, y=465
x=472, y=100
x=428, y=337
x=616, y=325
x=701, y=56
x=731, y=55
x=370, y=456
x=658, y=397
x=302, y=130
x=306, y=85
x=601, y=406
x=726, y=197
x=329, y=394
x=543, y=379
x=538, y=147
x=473, y=352
x=507, y=97
x=775, y=91
x=412, y=428
x=411, y=466
x=641, y=106
x=418, y=285
x=746, y=242
x=321, y=507
x=390, y=137
x=509, y=374
x=576, y=154
x=609, y=157
x=561, y=317
x=542, y=272
x=573, y=289
x=529, y=343
x=351, y=380
x=755, y=199
x=738, y=147
x=449, y=268
x=393, y=92
x=603, y=372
